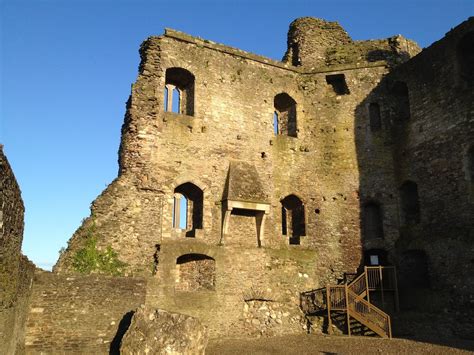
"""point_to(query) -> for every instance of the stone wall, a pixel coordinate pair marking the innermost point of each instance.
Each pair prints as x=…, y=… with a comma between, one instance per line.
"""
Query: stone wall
x=16, y=271
x=243, y=278
x=428, y=146
x=162, y=150
x=11, y=226
x=80, y=314
x=434, y=144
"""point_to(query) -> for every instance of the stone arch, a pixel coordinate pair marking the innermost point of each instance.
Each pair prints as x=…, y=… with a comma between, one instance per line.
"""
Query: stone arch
x=195, y=272
x=182, y=179
x=284, y=116
x=465, y=57
x=179, y=85
x=293, y=219
x=372, y=221
x=194, y=208
x=409, y=203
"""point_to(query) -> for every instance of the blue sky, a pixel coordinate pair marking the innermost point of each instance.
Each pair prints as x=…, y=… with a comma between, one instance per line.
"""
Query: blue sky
x=66, y=68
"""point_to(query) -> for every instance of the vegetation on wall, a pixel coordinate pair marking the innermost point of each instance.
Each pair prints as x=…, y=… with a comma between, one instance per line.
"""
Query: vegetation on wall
x=89, y=259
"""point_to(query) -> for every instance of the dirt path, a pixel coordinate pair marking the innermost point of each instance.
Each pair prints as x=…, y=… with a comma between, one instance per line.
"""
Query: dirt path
x=320, y=344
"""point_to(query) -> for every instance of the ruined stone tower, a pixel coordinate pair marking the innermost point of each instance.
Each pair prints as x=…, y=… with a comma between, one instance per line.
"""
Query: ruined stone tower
x=243, y=178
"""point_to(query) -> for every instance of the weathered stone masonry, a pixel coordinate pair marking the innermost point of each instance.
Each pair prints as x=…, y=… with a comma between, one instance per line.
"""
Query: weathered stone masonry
x=245, y=181
x=16, y=271
x=431, y=142
x=81, y=314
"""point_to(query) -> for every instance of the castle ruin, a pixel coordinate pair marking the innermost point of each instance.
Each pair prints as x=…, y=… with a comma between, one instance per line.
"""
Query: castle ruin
x=245, y=181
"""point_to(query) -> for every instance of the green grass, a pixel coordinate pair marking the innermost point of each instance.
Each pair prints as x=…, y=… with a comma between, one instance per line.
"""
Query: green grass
x=89, y=259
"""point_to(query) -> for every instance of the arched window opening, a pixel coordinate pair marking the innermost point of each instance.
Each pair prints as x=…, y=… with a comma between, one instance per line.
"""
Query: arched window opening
x=372, y=221
x=413, y=269
x=276, y=131
x=293, y=219
x=409, y=203
x=295, y=55
x=285, y=115
x=188, y=208
x=401, y=100
x=374, y=117
x=179, y=91
x=196, y=272
x=465, y=55
x=470, y=171
x=180, y=208
x=176, y=101
x=375, y=257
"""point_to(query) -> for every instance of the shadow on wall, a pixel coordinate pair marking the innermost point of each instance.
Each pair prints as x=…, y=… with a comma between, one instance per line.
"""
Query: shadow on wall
x=388, y=55
x=407, y=210
x=122, y=329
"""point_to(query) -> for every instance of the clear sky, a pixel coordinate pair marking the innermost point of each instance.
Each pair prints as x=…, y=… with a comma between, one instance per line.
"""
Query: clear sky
x=66, y=68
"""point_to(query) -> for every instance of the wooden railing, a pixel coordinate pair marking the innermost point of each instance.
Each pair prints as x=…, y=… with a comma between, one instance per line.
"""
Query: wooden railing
x=381, y=278
x=336, y=297
x=350, y=298
x=359, y=285
x=369, y=315
x=313, y=301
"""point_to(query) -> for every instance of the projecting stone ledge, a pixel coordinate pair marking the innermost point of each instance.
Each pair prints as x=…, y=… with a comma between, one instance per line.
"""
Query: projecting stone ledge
x=155, y=331
x=244, y=184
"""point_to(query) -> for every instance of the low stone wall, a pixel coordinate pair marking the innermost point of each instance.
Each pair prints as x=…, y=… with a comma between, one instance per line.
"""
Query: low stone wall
x=13, y=318
x=81, y=314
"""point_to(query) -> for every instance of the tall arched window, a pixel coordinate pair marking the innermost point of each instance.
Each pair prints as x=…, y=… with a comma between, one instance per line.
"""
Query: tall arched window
x=372, y=221
x=179, y=91
x=188, y=208
x=374, y=117
x=409, y=203
x=293, y=219
x=401, y=100
x=284, y=116
x=465, y=55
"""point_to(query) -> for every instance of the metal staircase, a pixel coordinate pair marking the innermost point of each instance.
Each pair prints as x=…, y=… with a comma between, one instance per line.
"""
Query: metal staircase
x=353, y=298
